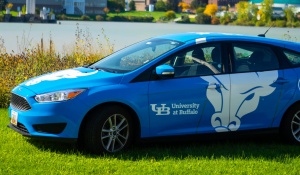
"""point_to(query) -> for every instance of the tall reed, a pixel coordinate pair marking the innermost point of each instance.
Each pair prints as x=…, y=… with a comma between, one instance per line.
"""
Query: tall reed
x=42, y=58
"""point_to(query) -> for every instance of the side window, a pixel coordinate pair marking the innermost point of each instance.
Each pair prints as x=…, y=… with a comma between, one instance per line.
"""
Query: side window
x=197, y=61
x=294, y=58
x=253, y=57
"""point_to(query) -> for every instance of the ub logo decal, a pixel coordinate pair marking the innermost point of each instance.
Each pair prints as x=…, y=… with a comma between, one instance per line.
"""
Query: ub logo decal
x=245, y=99
x=162, y=110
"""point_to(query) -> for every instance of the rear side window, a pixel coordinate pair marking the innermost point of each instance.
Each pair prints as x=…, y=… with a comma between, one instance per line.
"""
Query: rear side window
x=249, y=57
x=294, y=58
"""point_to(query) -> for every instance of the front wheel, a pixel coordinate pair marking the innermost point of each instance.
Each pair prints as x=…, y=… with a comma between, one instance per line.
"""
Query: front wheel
x=108, y=129
x=290, y=126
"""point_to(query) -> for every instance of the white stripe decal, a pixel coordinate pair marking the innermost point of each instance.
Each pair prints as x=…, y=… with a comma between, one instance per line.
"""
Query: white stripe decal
x=200, y=40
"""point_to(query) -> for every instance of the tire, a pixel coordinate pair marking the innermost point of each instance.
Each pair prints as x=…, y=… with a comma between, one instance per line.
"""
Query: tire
x=108, y=129
x=290, y=126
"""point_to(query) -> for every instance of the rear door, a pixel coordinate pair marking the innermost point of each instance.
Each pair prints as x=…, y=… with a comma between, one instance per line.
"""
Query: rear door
x=256, y=86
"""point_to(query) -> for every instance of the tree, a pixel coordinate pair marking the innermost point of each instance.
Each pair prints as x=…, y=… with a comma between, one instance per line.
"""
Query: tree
x=2, y=4
x=211, y=9
x=200, y=10
x=122, y=3
x=198, y=3
x=290, y=16
x=172, y=5
x=160, y=6
x=266, y=11
x=132, y=5
x=115, y=4
x=184, y=6
x=246, y=12
x=243, y=11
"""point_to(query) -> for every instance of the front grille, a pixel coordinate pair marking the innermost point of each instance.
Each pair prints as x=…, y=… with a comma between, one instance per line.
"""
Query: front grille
x=19, y=102
x=20, y=128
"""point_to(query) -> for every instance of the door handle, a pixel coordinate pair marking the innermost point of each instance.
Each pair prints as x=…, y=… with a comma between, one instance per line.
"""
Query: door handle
x=281, y=81
x=214, y=86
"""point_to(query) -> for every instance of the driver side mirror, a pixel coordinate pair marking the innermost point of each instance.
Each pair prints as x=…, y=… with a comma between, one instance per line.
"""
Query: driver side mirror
x=165, y=71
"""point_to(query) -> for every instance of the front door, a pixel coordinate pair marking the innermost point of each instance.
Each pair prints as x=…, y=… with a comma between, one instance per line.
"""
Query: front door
x=177, y=105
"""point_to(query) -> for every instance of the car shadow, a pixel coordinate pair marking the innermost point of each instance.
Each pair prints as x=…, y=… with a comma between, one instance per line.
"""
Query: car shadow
x=263, y=146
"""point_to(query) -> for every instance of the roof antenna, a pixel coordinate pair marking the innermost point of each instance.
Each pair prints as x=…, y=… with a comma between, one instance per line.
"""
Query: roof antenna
x=264, y=35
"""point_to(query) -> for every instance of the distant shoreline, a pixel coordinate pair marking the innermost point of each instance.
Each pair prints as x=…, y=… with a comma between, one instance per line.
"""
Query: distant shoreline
x=120, y=34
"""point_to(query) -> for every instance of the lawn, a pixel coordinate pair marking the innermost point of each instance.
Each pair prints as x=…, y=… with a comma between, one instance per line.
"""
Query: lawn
x=20, y=155
x=155, y=15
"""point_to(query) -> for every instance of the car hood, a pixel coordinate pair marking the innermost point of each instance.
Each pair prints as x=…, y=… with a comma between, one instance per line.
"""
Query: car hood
x=71, y=78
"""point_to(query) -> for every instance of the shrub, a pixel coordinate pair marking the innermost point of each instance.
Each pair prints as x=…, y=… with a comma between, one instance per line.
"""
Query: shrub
x=226, y=19
x=130, y=18
x=170, y=14
x=118, y=18
x=37, y=10
x=106, y=10
x=85, y=18
x=185, y=19
x=293, y=24
x=24, y=9
x=248, y=23
x=260, y=23
x=202, y=19
x=140, y=19
x=280, y=23
x=62, y=17
x=16, y=68
x=215, y=20
x=162, y=19
x=1, y=17
x=99, y=18
x=297, y=24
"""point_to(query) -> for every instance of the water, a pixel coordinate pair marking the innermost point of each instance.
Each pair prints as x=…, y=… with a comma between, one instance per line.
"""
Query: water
x=17, y=36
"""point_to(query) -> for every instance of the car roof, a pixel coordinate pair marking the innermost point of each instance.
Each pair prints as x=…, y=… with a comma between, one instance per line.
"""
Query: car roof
x=209, y=37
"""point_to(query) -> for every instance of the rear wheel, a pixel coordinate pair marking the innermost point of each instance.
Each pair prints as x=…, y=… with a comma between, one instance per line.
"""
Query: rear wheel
x=108, y=129
x=290, y=127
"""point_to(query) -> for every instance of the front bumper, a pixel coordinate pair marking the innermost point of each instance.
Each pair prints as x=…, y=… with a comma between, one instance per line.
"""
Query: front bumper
x=53, y=119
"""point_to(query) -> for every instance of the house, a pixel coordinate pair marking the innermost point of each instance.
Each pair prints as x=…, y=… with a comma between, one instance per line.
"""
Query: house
x=67, y=6
x=280, y=5
x=226, y=3
x=142, y=5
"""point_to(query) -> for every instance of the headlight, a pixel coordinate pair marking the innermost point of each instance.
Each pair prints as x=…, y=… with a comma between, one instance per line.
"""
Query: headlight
x=58, y=95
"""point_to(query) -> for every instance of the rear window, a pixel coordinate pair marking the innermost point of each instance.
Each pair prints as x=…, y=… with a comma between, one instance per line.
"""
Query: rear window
x=294, y=58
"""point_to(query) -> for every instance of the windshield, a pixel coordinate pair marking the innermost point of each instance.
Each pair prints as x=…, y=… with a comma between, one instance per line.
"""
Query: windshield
x=134, y=56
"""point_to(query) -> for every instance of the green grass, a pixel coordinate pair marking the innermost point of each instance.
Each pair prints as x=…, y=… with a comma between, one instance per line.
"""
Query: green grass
x=21, y=155
x=155, y=15
x=12, y=12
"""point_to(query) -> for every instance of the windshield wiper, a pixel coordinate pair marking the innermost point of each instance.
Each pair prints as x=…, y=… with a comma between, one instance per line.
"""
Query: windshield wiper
x=103, y=69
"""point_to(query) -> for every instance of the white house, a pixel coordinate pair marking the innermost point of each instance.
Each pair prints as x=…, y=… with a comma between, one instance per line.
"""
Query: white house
x=67, y=6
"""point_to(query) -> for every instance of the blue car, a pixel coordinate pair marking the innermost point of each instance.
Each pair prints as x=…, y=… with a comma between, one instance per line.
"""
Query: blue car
x=172, y=85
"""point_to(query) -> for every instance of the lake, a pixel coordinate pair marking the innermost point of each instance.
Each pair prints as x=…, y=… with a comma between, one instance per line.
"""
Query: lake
x=17, y=36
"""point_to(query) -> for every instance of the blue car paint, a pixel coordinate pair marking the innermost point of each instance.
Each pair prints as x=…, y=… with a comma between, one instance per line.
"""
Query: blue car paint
x=153, y=100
